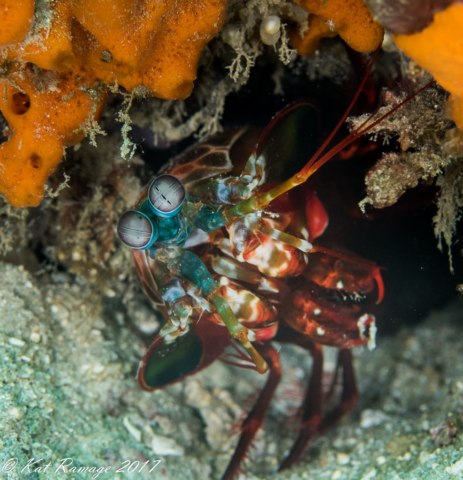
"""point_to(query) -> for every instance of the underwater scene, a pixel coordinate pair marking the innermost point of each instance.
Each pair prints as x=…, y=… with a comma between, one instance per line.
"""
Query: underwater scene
x=230, y=239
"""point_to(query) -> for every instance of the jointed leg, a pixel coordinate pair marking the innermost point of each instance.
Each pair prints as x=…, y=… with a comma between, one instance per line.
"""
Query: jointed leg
x=349, y=396
x=256, y=416
x=191, y=268
x=311, y=409
x=238, y=331
x=298, y=243
x=312, y=420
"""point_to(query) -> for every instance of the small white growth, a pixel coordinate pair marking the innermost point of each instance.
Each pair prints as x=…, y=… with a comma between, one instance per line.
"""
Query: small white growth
x=285, y=53
x=16, y=342
x=371, y=474
x=342, y=458
x=166, y=446
x=317, y=311
x=340, y=285
x=270, y=30
x=52, y=194
x=320, y=331
x=245, y=54
x=456, y=468
x=231, y=35
x=134, y=432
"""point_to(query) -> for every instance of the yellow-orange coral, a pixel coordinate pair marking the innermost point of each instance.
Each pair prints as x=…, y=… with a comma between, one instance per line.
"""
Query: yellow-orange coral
x=439, y=49
x=145, y=43
x=350, y=19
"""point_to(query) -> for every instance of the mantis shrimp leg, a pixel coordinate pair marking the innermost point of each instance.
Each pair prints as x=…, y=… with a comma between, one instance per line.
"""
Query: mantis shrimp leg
x=191, y=268
x=254, y=419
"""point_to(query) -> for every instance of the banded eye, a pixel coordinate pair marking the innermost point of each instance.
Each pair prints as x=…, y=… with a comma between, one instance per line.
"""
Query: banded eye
x=136, y=230
x=166, y=195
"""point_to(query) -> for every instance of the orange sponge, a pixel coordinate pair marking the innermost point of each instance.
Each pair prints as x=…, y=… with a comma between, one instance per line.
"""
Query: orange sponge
x=148, y=42
x=51, y=46
x=350, y=19
x=151, y=44
x=16, y=19
x=439, y=49
x=45, y=112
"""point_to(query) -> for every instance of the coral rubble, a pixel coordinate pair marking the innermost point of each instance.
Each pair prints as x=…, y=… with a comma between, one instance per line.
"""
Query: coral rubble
x=71, y=393
x=421, y=130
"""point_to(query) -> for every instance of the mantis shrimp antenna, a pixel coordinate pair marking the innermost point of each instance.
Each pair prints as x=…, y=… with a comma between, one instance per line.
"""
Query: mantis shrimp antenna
x=260, y=201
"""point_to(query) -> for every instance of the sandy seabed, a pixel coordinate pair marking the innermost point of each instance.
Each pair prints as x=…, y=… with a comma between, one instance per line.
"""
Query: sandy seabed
x=69, y=392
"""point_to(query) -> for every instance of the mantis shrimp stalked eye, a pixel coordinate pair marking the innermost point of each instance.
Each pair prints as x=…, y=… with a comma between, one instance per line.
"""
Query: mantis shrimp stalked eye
x=136, y=230
x=166, y=196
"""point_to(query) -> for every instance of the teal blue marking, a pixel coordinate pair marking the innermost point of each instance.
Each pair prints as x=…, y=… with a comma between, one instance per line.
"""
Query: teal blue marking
x=210, y=218
x=194, y=270
x=168, y=228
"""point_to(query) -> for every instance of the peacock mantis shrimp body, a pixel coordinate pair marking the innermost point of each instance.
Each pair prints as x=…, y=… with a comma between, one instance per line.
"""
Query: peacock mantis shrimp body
x=226, y=243
x=225, y=252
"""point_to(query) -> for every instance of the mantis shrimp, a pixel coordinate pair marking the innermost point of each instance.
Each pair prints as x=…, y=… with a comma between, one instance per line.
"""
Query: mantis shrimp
x=225, y=242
